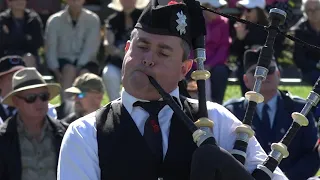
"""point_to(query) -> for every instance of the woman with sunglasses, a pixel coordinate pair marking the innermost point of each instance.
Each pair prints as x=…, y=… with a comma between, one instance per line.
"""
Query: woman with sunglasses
x=247, y=37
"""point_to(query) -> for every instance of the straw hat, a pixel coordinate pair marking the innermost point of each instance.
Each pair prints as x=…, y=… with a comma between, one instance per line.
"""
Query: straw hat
x=116, y=5
x=29, y=78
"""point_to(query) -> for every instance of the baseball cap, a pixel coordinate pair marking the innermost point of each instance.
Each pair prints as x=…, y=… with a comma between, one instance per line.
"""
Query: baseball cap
x=10, y=64
x=87, y=82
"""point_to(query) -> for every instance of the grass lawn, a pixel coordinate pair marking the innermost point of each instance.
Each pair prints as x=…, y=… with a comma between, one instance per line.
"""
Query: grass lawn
x=233, y=91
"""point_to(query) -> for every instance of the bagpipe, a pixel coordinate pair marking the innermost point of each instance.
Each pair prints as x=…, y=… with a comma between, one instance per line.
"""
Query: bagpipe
x=208, y=151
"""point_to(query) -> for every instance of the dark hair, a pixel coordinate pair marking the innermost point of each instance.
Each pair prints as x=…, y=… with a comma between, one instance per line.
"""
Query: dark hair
x=262, y=17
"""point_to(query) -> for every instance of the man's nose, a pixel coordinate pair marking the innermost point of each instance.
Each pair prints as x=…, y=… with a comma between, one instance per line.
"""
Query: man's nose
x=148, y=60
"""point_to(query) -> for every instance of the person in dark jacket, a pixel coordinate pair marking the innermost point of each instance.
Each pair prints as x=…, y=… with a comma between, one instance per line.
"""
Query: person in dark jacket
x=247, y=37
x=21, y=32
x=118, y=27
x=272, y=119
x=30, y=140
x=308, y=30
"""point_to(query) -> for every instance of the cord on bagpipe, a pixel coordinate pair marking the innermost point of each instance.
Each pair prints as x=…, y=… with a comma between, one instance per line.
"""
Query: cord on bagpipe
x=202, y=129
x=244, y=131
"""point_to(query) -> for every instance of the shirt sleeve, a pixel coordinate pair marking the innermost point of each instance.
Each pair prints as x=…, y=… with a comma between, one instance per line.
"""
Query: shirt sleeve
x=51, y=42
x=91, y=42
x=78, y=157
x=225, y=124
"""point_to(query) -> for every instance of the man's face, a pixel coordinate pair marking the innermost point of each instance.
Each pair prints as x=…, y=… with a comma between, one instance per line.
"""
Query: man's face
x=312, y=9
x=75, y=4
x=87, y=102
x=32, y=102
x=271, y=82
x=158, y=56
x=17, y=4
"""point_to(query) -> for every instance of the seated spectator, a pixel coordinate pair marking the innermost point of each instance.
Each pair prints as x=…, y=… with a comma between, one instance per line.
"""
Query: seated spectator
x=21, y=32
x=87, y=91
x=248, y=37
x=30, y=140
x=308, y=30
x=118, y=27
x=272, y=119
x=72, y=40
x=45, y=8
x=8, y=66
x=218, y=42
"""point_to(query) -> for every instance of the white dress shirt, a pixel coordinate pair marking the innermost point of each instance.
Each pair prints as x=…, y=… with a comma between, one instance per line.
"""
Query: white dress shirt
x=79, y=153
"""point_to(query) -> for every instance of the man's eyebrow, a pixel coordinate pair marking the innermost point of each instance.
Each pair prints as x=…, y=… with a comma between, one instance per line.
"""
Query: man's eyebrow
x=167, y=47
x=143, y=40
x=161, y=45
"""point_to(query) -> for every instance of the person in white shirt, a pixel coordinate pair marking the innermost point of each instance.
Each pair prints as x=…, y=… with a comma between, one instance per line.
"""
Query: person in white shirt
x=126, y=139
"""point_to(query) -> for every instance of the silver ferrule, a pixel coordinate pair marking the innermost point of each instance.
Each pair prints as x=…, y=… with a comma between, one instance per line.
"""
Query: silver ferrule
x=206, y=129
x=314, y=98
x=204, y=137
x=260, y=75
x=306, y=108
x=243, y=137
x=276, y=155
x=200, y=57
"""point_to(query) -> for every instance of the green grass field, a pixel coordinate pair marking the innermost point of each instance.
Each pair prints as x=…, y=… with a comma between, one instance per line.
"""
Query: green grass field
x=233, y=91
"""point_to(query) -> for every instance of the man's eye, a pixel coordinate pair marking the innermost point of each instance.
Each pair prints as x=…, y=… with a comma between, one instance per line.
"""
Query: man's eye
x=163, y=54
x=142, y=47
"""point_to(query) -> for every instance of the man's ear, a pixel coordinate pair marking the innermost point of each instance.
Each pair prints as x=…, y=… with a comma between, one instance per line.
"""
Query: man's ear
x=186, y=66
x=127, y=46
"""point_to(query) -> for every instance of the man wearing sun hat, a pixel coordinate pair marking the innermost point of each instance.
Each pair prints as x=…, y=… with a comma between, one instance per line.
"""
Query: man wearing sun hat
x=8, y=66
x=88, y=91
x=30, y=140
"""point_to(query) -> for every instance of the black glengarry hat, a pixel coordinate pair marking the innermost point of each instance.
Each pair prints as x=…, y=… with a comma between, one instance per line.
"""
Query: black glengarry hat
x=171, y=19
x=251, y=56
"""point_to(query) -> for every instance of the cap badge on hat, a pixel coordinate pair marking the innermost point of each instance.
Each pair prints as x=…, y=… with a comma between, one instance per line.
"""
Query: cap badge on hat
x=181, y=23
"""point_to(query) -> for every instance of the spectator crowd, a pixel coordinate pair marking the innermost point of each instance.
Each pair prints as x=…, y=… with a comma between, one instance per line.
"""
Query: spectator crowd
x=82, y=44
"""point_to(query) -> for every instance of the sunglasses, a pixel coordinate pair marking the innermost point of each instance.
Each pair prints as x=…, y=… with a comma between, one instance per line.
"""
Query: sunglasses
x=271, y=70
x=81, y=95
x=31, y=98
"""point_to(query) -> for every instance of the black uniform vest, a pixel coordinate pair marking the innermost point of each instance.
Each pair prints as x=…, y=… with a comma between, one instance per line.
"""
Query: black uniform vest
x=123, y=152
